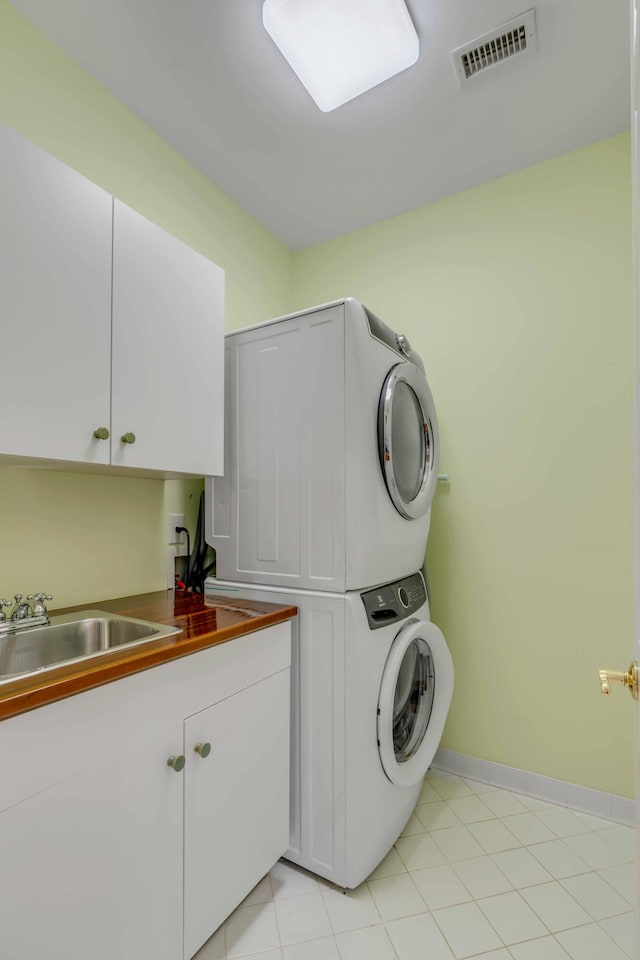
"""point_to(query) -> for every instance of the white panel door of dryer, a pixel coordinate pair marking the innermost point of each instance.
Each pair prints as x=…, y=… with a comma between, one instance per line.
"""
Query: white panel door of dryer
x=415, y=695
x=408, y=440
x=265, y=425
x=285, y=492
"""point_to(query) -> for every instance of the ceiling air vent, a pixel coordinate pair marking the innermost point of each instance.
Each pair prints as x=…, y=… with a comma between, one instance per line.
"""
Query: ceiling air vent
x=517, y=38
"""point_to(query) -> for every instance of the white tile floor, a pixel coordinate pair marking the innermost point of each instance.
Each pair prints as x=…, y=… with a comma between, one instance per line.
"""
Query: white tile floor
x=477, y=873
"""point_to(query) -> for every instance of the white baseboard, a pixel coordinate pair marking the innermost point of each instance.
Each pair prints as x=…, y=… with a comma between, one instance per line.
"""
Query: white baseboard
x=600, y=804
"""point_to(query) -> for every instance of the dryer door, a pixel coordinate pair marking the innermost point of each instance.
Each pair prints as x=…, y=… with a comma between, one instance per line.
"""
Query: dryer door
x=415, y=694
x=408, y=440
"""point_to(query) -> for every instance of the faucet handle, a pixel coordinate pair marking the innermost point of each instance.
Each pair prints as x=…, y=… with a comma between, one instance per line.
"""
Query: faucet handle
x=38, y=609
x=3, y=616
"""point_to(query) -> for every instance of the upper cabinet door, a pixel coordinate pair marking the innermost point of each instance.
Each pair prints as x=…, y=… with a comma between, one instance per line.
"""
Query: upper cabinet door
x=55, y=306
x=167, y=351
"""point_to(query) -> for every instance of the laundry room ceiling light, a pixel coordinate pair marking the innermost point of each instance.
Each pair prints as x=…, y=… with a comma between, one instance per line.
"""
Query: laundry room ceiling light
x=340, y=48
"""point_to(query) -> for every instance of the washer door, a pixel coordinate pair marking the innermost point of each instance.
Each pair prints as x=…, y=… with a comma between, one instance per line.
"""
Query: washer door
x=408, y=440
x=415, y=695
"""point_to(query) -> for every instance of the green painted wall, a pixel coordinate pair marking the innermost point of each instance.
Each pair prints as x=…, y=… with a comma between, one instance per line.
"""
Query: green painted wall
x=517, y=294
x=87, y=537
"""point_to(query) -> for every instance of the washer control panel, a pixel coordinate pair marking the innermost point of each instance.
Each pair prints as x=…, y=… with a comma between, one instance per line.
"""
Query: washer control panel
x=394, y=601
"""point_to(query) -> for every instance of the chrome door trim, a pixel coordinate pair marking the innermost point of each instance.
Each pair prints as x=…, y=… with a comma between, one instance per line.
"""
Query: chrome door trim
x=411, y=769
x=410, y=374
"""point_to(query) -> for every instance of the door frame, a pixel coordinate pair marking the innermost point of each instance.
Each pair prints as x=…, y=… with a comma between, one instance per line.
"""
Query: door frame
x=635, y=298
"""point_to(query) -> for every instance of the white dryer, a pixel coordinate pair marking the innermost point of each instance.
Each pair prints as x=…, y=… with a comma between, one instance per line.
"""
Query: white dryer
x=331, y=453
x=371, y=685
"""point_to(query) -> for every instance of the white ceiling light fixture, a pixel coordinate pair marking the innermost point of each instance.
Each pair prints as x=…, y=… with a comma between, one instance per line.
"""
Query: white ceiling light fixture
x=341, y=48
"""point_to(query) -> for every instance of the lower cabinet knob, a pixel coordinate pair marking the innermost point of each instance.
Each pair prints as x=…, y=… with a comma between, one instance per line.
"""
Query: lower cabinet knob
x=203, y=749
x=128, y=438
x=101, y=433
x=176, y=763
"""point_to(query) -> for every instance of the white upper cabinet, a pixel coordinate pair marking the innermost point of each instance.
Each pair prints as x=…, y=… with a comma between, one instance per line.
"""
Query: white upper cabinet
x=55, y=306
x=109, y=324
x=167, y=360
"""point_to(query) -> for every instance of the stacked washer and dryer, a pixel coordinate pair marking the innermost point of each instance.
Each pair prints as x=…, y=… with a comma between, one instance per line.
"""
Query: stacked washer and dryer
x=331, y=459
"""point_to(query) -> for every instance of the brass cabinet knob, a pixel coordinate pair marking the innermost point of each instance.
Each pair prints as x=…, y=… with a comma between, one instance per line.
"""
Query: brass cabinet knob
x=203, y=749
x=177, y=763
x=628, y=679
x=101, y=433
x=128, y=438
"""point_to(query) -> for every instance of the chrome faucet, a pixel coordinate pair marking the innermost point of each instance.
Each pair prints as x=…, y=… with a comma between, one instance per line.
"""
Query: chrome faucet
x=24, y=614
x=21, y=611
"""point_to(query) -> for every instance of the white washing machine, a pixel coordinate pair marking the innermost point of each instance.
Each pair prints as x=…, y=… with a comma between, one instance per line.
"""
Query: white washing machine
x=331, y=453
x=371, y=685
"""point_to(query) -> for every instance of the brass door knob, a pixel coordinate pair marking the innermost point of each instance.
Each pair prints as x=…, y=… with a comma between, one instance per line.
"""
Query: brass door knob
x=176, y=763
x=128, y=438
x=101, y=433
x=203, y=749
x=628, y=679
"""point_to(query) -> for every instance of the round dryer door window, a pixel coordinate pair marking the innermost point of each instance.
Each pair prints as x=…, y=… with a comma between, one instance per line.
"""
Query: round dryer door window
x=408, y=440
x=415, y=695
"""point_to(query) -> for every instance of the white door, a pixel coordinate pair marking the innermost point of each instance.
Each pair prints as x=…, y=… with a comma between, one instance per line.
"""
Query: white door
x=167, y=351
x=415, y=695
x=92, y=867
x=408, y=440
x=55, y=327
x=236, y=802
x=635, y=168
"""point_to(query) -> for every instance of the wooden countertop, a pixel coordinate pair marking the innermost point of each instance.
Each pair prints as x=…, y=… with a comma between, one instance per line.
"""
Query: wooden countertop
x=202, y=626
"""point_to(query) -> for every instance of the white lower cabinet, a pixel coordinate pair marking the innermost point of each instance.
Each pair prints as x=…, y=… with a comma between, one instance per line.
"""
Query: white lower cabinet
x=247, y=771
x=129, y=857
x=92, y=867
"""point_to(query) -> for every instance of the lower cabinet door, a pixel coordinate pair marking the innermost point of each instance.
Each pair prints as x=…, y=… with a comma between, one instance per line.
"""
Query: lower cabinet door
x=236, y=802
x=92, y=867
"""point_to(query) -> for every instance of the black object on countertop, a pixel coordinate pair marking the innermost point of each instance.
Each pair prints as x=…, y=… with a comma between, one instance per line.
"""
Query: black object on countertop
x=197, y=567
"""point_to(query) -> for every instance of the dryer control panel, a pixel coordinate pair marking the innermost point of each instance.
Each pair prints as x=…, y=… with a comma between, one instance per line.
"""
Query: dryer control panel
x=394, y=601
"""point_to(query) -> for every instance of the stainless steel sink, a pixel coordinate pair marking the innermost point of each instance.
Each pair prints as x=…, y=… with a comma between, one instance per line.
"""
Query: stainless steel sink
x=71, y=638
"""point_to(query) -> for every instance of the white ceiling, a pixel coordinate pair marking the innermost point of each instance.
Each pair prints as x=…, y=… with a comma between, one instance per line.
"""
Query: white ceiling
x=207, y=77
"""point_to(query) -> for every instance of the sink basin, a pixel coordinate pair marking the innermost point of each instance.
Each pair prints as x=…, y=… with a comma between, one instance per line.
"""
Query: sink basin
x=71, y=638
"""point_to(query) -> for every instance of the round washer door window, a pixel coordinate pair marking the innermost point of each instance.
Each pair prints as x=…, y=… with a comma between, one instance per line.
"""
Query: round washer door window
x=415, y=695
x=408, y=440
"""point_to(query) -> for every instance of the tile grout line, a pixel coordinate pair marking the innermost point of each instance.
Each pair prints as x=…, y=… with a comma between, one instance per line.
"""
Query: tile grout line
x=431, y=912
x=275, y=914
x=610, y=885
x=333, y=932
x=606, y=933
